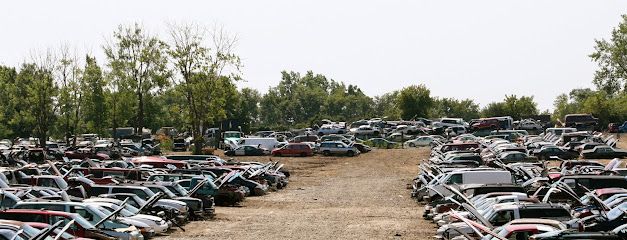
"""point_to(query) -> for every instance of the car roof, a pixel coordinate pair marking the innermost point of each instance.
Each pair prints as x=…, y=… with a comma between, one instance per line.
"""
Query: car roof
x=594, y=177
x=527, y=206
x=603, y=191
x=535, y=221
x=39, y=211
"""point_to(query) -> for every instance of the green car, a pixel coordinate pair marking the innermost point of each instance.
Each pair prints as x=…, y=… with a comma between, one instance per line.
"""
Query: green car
x=381, y=143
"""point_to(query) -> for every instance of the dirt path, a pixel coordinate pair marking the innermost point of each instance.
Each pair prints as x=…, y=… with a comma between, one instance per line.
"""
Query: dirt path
x=364, y=197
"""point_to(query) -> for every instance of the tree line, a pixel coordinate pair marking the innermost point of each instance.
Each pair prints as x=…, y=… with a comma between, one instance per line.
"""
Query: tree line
x=188, y=80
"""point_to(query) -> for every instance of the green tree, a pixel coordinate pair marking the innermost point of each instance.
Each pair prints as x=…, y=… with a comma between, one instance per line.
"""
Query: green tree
x=40, y=94
x=202, y=78
x=70, y=94
x=248, y=111
x=562, y=106
x=414, y=101
x=8, y=77
x=386, y=106
x=139, y=62
x=450, y=107
x=611, y=58
x=494, y=109
x=94, y=109
x=512, y=106
x=271, y=110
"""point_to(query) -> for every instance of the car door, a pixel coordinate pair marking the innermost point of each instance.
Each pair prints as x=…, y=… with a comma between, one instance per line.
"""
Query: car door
x=290, y=150
x=240, y=151
x=338, y=148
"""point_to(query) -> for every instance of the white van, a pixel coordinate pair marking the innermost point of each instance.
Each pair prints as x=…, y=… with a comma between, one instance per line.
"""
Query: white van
x=267, y=143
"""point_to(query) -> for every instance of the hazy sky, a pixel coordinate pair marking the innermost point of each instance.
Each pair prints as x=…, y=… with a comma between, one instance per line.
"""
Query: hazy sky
x=465, y=49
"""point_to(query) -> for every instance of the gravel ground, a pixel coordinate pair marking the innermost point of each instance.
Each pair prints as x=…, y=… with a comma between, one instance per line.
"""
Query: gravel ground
x=363, y=197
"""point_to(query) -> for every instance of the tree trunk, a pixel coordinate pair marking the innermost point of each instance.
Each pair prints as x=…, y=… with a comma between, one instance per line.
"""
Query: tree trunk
x=198, y=141
x=140, y=115
x=115, y=122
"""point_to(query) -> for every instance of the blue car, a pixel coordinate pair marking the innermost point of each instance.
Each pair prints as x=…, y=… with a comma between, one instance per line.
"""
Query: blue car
x=623, y=128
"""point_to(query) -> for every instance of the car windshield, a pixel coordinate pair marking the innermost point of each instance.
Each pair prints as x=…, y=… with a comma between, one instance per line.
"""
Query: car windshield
x=178, y=189
x=130, y=208
x=163, y=190
x=83, y=222
x=31, y=232
x=110, y=208
x=617, y=212
x=232, y=135
x=62, y=185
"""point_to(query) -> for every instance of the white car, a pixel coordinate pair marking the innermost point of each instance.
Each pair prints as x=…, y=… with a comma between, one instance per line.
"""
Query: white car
x=365, y=130
x=450, y=122
x=529, y=125
x=421, y=141
x=405, y=129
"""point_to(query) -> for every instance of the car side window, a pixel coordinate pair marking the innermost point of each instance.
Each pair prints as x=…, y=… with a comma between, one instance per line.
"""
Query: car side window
x=455, y=179
x=502, y=217
x=83, y=212
x=95, y=191
x=7, y=202
x=185, y=183
x=570, y=182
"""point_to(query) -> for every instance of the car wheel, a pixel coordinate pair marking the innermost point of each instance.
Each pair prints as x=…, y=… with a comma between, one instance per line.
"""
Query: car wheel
x=303, y=154
x=326, y=153
x=340, y=132
x=350, y=153
x=277, y=154
x=412, y=145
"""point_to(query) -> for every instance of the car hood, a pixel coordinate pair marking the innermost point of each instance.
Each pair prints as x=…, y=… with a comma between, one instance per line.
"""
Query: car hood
x=139, y=223
x=148, y=217
x=170, y=202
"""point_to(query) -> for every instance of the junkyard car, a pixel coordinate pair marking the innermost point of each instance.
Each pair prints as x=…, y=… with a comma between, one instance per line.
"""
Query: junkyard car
x=293, y=149
x=246, y=151
x=337, y=148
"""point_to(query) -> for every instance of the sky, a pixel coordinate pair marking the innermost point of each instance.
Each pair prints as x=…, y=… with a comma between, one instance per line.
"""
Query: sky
x=482, y=50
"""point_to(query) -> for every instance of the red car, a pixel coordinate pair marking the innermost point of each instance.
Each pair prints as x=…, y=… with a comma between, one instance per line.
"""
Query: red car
x=81, y=227
x=83, y=153
x=612, y=127
x=158, y=162
x=293, y=149
x=64, y=235
x=486, y=123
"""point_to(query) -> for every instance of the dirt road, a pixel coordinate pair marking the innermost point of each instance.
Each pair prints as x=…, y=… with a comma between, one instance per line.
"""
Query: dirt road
x=364, y=197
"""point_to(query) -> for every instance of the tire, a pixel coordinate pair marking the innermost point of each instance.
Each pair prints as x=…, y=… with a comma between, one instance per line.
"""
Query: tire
x=303, y=154
x=326, y=153
x=350, y=153
x=277, y=154
x=340, y=132
x=412, y=145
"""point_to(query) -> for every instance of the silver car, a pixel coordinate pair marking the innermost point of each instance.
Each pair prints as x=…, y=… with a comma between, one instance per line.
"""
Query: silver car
x=337, y=148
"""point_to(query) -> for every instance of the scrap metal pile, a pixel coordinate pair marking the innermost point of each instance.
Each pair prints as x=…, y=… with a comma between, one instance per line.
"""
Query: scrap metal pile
x=133, y=198
x=493, y=188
